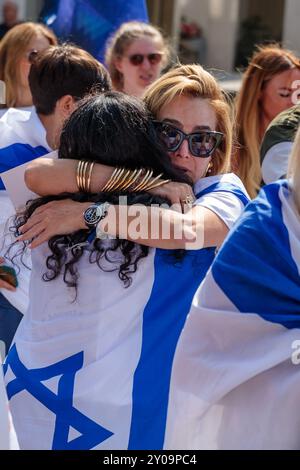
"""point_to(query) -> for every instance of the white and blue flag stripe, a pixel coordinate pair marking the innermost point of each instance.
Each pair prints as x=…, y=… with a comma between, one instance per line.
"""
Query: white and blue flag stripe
x=235, y=380
x=95, y=373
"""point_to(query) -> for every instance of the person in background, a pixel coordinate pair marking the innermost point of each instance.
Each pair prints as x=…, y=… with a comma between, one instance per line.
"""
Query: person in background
x=277, y=145
x=269, y=87
x=10, y=17
x=135, y=56
x=16, y=49
x=59, y=77
x=236, y=378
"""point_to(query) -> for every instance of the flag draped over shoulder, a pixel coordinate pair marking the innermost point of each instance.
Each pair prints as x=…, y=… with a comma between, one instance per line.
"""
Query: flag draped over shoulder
x=89, y=23
x=235, y=380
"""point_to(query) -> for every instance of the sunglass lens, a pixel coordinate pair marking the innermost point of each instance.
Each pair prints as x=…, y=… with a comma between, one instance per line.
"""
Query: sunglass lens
x=154, y=58
x=170, y=137
x=136, y=59
x=203, y=144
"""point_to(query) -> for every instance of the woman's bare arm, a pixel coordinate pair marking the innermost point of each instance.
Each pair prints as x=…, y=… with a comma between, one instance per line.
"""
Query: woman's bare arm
x=51, y=176
x=45, y=176
x=150, y=226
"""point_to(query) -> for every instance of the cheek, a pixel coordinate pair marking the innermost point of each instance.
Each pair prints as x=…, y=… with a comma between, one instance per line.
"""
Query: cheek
x=200, y=165
x=156, y=69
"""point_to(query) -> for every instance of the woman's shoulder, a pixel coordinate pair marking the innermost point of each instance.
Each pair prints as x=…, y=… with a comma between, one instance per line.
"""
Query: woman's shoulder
x=224, y=179
x=225, y=183
x=267, y=210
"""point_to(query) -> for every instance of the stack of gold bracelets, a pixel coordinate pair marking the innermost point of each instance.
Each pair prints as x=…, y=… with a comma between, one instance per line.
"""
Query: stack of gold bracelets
x=121, y=179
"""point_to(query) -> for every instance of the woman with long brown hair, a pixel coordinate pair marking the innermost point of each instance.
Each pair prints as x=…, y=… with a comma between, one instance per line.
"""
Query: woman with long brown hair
x=267, y=89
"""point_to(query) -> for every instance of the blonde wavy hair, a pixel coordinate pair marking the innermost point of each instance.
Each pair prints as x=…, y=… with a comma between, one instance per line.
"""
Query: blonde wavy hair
x=13, y=47
x=194, y=81
x=294, y=170
x=122, y=39
x=266, y=62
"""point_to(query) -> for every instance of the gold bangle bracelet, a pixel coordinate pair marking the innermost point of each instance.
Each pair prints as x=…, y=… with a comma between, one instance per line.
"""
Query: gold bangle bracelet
x=114, y=177
x=84, y=179
x=135, y=179
x=144, y=181
x=153, y=180
x=116, y=180
x=109, y=180
x=80, y=180
x=88, y=189
x=157, y=185
x=130, y=180
x=77, y=175
x=122, y=180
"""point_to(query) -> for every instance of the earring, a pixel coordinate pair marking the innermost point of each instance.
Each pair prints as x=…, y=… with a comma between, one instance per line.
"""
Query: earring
x=209, y=168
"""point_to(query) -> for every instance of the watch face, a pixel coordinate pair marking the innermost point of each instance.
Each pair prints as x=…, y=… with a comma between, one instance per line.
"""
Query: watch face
x=92, y=215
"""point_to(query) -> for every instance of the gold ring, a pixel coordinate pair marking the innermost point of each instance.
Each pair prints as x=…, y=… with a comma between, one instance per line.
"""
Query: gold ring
x=188, y=200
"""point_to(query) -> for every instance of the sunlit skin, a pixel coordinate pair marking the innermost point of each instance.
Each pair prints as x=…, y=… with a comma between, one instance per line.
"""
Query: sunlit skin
x=38, y=43
x=138, y=77
x=189, y=114
x=279, y=94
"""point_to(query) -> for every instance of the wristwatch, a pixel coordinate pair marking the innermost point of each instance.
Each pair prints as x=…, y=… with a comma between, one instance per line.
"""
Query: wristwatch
x=94, y=213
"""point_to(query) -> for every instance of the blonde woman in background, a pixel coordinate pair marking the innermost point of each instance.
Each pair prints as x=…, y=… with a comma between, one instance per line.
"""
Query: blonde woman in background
x=15, y=50
x=267, y=90
x=135, y=56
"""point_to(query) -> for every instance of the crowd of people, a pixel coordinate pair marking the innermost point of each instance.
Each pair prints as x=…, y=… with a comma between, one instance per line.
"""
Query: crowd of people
x=149, y=281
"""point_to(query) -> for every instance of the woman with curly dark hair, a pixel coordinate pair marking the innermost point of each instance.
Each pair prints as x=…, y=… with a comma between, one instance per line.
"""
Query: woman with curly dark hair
x=85, y=322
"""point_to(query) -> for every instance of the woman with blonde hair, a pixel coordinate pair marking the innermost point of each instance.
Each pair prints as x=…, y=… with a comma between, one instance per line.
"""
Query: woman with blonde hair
x=16, y=49
x=235, y=380
x=269, y=87
x=192, y=118
x=135, y=56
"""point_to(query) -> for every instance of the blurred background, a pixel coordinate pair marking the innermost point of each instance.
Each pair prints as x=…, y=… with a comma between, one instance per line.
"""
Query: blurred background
x=219, y=34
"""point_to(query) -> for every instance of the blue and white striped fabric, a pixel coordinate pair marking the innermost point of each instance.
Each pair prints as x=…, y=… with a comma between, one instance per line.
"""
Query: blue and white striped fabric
x=22, y=138
x=95, y=373
x=234, y=382
x=89, y=23
x=8, y=438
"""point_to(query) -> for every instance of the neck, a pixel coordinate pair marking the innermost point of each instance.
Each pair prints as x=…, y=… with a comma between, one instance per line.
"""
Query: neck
x=52, y=130
x=133, y=90
x=24, y=97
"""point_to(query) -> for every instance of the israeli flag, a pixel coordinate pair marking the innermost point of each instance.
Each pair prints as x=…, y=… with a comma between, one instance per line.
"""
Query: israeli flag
x=89, y=23
x=95, y=373
x=236, y=375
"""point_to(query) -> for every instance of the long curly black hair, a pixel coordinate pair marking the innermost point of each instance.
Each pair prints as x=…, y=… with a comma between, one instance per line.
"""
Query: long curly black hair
x=116, y=130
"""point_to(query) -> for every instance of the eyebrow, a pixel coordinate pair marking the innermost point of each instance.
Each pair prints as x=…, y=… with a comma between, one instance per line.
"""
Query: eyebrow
x=179, y=124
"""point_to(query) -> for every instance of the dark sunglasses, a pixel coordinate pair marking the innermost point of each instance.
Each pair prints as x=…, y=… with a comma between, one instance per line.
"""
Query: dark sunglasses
x=201, y=144
x=138, y=59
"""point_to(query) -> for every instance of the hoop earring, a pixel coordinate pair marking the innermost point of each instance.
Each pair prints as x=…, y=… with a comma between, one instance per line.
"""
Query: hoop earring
x=209, y=169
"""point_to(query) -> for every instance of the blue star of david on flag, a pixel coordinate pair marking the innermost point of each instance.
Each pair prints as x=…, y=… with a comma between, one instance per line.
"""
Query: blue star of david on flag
x=89, y=23
x=61, y=405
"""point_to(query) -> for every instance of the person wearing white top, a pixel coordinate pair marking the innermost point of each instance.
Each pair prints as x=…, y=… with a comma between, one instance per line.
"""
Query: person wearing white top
x=8, y=439
x=116, y=344
x=58, y=78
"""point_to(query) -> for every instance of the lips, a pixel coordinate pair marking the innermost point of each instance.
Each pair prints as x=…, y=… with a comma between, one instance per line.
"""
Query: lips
x=146, y=78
